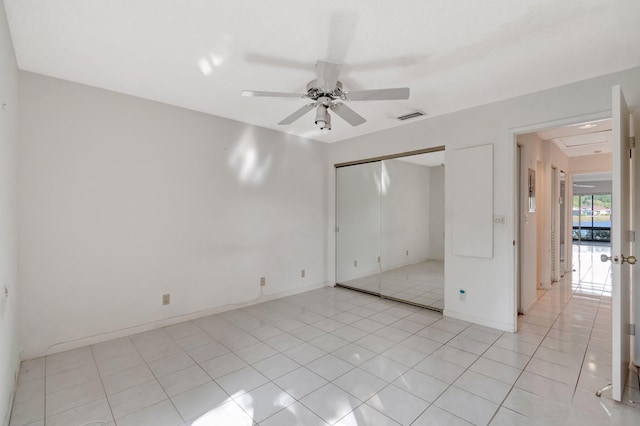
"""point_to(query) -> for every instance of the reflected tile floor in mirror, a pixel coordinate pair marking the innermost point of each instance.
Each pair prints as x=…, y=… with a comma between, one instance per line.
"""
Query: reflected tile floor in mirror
x=421, y=283
x=334, y=356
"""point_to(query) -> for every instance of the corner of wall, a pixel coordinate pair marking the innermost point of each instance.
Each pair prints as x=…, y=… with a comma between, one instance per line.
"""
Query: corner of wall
x=9, y=357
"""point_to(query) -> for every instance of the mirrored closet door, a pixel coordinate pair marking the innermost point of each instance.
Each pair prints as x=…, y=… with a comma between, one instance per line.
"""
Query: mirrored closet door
x=390, y=228
x=358, y=226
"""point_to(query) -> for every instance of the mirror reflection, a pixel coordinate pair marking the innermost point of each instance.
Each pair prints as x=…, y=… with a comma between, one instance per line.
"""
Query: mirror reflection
x=390, y=228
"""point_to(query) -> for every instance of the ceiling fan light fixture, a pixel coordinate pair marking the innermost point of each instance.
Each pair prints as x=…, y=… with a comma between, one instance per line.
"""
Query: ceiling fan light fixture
x=323, y=119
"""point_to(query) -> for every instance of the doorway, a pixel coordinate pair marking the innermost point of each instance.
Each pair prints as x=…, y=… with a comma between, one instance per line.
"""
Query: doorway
x=622, y=158
x=550, y=163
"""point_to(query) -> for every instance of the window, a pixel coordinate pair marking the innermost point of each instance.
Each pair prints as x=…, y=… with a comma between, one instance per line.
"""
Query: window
x=592, y=217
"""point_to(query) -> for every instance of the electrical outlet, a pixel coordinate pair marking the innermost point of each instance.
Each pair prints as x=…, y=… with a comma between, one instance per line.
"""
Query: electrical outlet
x=166, y=299
x=263, y=281
x=355, y=263
x=302, y=273
x=406, y=253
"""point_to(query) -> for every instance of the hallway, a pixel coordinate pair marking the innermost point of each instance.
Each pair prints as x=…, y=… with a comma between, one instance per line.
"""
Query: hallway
x=569, y=334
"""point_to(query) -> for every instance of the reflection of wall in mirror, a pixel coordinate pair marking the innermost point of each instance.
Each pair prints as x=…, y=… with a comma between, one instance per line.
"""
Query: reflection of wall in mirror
x=436, y=214
x=400, y=217
x=412, y=219
x=405, y=214
x=358, y=221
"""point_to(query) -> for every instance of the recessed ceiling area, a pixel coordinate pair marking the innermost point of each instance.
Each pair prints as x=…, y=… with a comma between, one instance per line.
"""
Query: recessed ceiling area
x=201, y=54
x=594, y=137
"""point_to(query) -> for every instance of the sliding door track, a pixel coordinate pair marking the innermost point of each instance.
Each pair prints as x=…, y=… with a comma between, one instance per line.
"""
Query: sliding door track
x=382, y=296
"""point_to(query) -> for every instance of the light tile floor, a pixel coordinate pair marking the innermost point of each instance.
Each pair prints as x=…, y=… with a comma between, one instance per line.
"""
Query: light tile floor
x=334, y=356
x=421, y=283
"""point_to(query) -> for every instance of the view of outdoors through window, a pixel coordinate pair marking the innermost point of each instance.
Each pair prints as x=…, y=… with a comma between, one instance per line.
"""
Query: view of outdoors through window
x=592, y=217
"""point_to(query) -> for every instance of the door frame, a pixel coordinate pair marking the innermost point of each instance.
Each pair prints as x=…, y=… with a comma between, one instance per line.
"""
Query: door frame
x=515, y=231
x=555, y=216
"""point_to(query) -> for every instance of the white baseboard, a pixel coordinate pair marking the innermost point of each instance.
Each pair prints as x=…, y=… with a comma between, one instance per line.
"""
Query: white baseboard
x=529, y=306
x=480, y=321
x=407, y=263
x=12, y=395
x=389, y=268
x=103, y=337
x=359, y=275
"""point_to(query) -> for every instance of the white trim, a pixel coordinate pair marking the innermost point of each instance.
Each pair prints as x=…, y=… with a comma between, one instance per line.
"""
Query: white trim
x=103, y=337
x=527, y=308
x=480, y=321
x=601, y=115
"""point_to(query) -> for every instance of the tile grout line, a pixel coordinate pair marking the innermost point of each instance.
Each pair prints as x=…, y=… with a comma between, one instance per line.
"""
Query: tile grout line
x=154, y=376
x=501, y=405
x=93, y=356
x=595, y=318
x=293, y=308
x=158, y=379
x=354, y=367
x=350, y=342
x=569, y=300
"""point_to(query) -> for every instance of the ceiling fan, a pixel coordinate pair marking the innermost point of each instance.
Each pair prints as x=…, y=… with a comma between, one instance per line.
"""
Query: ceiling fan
x=327, y=92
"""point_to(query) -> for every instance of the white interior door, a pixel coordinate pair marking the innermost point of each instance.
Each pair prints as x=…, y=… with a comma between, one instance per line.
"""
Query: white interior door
x=620, y=243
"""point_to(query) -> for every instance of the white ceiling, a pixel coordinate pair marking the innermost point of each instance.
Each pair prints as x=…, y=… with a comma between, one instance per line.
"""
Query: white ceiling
x=200, y=54
x=593, y=177
x=595, y=137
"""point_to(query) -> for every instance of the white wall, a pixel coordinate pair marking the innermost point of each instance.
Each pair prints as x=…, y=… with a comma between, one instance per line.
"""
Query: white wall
x=490, y=298
x=123, y=199
x=436, y=213
x=596, y=163
x=8, y=229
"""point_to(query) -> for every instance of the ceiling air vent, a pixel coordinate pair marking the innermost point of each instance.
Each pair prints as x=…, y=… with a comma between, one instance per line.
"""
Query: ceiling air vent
x=411, y=115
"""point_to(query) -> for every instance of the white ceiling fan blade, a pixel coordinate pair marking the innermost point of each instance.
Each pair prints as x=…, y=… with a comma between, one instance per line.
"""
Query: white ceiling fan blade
x=327, y=75
x=297, y=114
x=347, y=114
x=377, y=94
x=271, y=94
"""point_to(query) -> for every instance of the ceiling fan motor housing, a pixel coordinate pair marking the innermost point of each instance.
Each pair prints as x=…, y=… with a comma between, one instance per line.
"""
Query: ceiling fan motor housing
x=314, y=92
